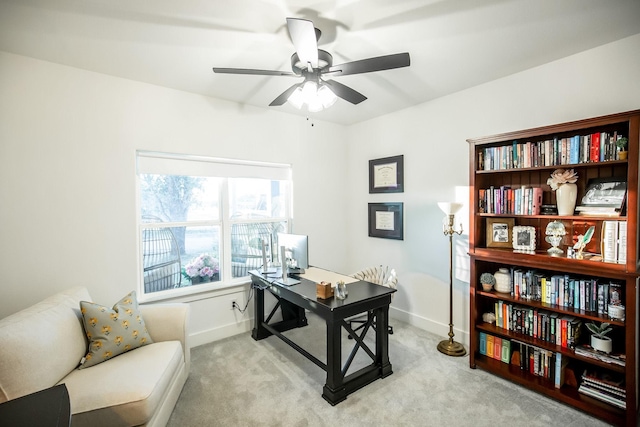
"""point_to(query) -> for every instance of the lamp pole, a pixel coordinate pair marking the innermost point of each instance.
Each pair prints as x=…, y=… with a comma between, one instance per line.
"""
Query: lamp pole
x=450, y=347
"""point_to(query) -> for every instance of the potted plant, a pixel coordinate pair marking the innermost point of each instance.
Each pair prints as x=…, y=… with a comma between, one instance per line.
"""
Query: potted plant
x=488, y=281
x=622, y=148
x=599, y=340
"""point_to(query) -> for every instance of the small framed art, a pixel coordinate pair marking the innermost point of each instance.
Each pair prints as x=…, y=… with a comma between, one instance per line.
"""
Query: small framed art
x=499, y=233
x=385, y=220
x=524, y=238
x=386, y=175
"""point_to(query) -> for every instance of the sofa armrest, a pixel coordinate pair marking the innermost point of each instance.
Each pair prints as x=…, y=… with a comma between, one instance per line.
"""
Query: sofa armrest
x=168, y=322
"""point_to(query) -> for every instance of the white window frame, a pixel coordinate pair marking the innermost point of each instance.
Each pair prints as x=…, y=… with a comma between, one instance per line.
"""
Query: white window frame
x=238, y=169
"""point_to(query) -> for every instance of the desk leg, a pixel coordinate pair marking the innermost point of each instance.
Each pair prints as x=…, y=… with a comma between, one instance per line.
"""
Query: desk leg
x=334, y=391
x=382, y=341
x=259, y=332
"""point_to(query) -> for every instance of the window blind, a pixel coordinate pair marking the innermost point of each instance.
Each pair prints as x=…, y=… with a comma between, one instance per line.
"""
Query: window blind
x=151, y=162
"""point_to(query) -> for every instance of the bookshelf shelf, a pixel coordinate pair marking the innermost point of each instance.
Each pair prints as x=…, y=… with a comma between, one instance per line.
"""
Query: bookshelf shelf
x=555, y=217
x=553, y=167
x=566, y=394
x=554, y=284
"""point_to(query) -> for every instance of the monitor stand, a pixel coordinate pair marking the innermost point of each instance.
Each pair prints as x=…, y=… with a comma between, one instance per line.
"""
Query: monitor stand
x=268, y=270
x=287, y=281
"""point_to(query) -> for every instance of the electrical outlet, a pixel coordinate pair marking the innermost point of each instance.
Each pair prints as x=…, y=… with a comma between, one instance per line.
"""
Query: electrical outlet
x=234, y=304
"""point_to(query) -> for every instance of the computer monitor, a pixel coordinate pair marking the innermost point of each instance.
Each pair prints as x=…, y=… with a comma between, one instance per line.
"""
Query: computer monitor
x=296, y=251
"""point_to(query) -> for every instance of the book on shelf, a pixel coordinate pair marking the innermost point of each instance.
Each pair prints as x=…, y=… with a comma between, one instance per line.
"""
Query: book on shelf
x=605, y=386
x=605, y=378
x=614, y=241
x=586, y=350
x=622, y=242
x=495, y=347
x=602, y=396
x=483, y=343
x=590, y=148
x=560, y=369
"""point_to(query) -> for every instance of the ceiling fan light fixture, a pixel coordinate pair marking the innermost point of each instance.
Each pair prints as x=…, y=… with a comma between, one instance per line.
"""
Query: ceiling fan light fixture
x=326, y=96
x=296, y=98
x=316, y=97
x=309, y=91
x=315, y=105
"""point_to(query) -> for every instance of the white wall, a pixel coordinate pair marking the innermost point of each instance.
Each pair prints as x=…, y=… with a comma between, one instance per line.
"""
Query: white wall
x=67, y=180
x=432, y=137
x=67, y=197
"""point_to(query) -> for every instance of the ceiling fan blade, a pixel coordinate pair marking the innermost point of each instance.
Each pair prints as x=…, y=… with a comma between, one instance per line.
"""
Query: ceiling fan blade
x=345, y=92
x=255, y=72
x=284, y=96
x=378, y=63
x=303, y=36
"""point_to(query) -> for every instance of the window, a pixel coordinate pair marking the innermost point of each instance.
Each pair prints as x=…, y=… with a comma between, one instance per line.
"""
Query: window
x=203, y=221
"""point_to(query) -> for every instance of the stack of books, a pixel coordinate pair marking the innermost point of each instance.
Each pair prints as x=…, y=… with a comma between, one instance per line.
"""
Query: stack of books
x=614, y=241
x=603, y=386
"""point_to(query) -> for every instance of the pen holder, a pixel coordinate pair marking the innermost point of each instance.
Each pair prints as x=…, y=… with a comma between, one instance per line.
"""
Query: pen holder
x=324, y=290
x=341, y=290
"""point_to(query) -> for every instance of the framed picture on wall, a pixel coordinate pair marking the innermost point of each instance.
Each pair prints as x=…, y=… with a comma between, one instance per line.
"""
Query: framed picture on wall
x=386, y=220
x=386, y=175
x=499, y=232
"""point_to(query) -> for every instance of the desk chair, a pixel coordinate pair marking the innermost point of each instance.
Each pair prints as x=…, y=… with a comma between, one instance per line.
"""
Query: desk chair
x=381, y=276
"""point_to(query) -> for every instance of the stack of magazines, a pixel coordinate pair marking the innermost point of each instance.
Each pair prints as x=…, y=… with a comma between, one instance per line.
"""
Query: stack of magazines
x=603, y=386
x=586, y=350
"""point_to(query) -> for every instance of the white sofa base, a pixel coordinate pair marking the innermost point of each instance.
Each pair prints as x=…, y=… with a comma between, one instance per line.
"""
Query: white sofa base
x=139, y=387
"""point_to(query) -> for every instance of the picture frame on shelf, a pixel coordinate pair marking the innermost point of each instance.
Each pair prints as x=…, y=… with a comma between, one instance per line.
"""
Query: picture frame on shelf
x=604, y=196
x=386, y=220
x=499, y=232
x=605, y=192
x=524, y=238
x=386, y=175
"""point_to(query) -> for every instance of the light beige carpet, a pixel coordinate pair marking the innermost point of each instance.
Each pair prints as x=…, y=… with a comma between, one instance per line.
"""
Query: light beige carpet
x=241, y=382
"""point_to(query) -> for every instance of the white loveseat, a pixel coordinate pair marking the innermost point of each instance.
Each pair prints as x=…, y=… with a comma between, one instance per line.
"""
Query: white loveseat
x=41, y=346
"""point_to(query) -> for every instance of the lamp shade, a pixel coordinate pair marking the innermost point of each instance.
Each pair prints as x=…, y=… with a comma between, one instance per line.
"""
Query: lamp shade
x=449, y=208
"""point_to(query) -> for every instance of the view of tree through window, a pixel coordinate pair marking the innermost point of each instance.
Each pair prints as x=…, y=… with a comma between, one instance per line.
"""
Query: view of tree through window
x=189, y=223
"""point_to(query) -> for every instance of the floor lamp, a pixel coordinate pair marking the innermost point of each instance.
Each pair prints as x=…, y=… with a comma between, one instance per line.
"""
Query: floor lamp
x=450, y=347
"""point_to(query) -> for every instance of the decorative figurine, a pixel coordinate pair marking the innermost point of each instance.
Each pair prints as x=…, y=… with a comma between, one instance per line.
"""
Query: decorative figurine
x=583, y=241
x=555, y=232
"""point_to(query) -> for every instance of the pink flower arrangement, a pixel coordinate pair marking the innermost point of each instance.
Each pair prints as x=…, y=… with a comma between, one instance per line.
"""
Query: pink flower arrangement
x=202, y=266
x=562, y=176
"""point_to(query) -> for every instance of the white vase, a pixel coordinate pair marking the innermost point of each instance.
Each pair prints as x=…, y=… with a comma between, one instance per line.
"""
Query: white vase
x=566, y=195
x=603, y=344
x=503, y=281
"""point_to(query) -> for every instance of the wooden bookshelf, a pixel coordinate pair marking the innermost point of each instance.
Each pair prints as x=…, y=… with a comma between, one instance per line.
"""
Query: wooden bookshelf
x=513, y=172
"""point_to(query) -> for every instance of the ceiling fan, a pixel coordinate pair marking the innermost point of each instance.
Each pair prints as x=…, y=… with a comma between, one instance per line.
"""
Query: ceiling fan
x=313, y=64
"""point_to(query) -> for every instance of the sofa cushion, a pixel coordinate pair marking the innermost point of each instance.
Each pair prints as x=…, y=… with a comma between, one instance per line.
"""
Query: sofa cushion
x=40, y=345
x=112, y=331
x=125, y=390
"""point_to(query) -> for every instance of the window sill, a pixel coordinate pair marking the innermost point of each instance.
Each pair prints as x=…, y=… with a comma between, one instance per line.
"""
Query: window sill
x=196, y=293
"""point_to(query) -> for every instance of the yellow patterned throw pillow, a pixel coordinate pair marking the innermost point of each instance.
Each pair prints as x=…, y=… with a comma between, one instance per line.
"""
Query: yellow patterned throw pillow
x=112, y=331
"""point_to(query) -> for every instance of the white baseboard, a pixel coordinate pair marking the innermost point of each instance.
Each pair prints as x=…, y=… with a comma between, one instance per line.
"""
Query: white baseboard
x=429, y=325
x=215, y=334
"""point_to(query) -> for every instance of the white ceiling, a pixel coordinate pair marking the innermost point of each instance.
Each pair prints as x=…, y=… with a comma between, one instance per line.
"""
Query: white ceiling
x=454, y=44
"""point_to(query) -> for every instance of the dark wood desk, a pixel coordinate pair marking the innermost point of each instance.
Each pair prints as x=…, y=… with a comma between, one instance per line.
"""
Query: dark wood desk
x=364, y=297
x=46, y=408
